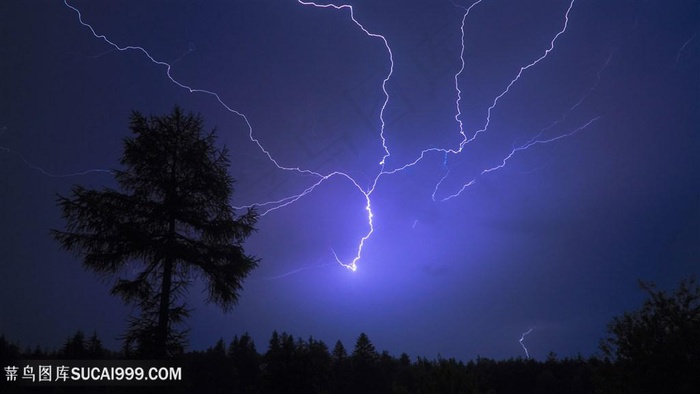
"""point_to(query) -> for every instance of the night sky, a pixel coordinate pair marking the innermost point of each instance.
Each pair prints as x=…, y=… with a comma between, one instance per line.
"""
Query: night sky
x=554, y=241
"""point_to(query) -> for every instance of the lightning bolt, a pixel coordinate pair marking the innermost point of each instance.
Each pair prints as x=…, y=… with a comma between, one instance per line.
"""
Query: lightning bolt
x=298, y=270
x=274, y=205
x=51, y=174
x=522, y=338
x=466, y=140
x=680, y=51
x=366, y=193
x=384, y=82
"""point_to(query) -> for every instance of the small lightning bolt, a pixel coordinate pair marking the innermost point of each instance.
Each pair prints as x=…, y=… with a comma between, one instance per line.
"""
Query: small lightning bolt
x=680, y=51
x=51, y=174
x=522, y=338
x=35, y=167
x=532, y=142
x=298, y=270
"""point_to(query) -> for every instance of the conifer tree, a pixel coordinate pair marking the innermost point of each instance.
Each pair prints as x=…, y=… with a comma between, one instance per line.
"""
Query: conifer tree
x=171, y=222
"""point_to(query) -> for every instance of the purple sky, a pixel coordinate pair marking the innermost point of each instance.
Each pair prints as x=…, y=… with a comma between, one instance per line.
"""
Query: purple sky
x=554, y=241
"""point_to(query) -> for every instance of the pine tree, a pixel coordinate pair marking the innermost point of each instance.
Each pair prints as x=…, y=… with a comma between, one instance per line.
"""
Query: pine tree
x=172, y=222
x=364, y=350
x=339, y=353
x=94, y=347
x=246, y=362
x=75, y=347
x=364, y=365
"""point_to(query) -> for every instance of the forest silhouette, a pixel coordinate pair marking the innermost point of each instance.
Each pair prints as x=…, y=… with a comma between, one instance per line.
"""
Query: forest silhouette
x=655, y=349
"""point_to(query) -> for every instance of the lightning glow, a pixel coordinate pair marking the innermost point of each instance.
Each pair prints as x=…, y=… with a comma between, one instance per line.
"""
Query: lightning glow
x=366, y=193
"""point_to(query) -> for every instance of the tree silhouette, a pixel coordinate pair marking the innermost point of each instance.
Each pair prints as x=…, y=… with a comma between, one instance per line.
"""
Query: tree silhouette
x=657, y=348
x=339, y=353
x=246, y=362
x=94, y=347
x=364, y=351
x=319, y=365
x=364, y=365
x=170, y=224
x=340, y=369
x=74, y=348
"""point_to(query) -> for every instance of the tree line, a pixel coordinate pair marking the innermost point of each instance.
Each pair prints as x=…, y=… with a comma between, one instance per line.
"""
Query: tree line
x=655, y=349
x=297, y=365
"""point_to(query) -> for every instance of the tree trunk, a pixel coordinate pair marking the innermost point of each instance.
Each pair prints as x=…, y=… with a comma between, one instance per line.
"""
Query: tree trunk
x=163, y=314
x=164, y=310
